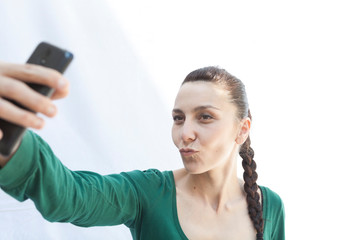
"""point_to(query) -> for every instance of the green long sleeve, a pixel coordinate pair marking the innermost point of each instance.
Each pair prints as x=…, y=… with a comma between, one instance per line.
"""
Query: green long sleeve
x=82, y=198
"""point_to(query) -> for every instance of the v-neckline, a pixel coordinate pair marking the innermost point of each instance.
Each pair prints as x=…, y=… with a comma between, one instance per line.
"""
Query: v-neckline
x=175, y=210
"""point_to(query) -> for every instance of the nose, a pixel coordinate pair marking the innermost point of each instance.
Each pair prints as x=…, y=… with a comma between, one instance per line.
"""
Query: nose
x=188, y=132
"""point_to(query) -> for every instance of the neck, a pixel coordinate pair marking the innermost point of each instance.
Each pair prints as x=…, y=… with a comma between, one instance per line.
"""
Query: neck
x=218, y=188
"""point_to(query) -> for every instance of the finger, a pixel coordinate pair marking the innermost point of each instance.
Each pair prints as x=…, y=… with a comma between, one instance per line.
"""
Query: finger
x=24, y=95
x=1, y=134
x=33, y=73
x=11, y=113
x=61, y=92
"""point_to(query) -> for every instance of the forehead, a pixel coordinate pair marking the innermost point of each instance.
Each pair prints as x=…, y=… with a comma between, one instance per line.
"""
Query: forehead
x=193, y=94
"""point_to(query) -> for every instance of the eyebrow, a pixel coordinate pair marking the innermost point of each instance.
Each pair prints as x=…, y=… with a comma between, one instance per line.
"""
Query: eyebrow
x=199, y=108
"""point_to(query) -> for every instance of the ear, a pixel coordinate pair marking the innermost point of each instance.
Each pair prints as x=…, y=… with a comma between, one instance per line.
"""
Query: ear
x=244, y=130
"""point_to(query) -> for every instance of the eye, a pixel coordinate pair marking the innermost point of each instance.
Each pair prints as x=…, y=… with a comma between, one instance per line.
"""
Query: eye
x=206, y=117
x=178, y=119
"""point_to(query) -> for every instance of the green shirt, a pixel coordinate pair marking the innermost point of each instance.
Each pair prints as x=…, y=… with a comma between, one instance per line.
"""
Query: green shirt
x=145, y=201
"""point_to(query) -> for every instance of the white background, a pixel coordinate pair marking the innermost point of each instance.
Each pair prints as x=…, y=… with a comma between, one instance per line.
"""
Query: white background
x=298, y=59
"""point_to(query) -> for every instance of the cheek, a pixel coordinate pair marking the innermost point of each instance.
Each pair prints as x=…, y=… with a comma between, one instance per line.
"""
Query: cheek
x=174, y=134
x=219, y=138
x=211, y=139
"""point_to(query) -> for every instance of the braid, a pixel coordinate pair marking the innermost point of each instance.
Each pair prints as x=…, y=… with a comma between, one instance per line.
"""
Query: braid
x=251, y=187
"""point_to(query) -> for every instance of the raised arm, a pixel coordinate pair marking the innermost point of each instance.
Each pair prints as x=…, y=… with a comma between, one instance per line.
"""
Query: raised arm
x=80, y=197
x=33, y=172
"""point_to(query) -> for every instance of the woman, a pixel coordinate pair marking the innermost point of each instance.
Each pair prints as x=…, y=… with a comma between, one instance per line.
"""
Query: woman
x=204, y=200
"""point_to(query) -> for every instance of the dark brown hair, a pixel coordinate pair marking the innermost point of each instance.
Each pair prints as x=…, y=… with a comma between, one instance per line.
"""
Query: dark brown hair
x=238, y=96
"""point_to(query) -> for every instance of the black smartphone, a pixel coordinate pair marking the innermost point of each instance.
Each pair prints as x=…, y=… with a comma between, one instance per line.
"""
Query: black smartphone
x=46, y=55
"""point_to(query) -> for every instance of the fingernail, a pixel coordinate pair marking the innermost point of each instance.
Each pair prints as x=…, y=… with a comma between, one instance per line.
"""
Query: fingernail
x=61, y=83
x=39, y=123
x=51, y=110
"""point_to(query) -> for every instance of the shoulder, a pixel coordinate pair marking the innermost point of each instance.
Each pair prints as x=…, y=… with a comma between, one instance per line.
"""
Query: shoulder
x=270, y=195
x=154, y=188
x=273, y=214
x=150, y=178
x=273, y=205
x=148, y=174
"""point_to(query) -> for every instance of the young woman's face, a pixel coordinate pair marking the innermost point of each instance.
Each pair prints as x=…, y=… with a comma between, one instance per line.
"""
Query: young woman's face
x=206, y=127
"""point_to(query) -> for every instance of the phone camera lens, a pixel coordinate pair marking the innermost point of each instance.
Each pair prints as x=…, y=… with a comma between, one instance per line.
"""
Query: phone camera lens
x=43, y=61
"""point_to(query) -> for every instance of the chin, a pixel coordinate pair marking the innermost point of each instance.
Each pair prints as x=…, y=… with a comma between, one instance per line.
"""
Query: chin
x=193, y=168
x=194, y=165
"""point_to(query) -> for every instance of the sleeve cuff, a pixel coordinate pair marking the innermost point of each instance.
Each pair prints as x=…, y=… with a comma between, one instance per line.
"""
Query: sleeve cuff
x=22, y=163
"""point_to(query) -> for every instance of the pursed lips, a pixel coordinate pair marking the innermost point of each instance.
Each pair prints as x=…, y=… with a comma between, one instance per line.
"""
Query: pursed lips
x=187, y=151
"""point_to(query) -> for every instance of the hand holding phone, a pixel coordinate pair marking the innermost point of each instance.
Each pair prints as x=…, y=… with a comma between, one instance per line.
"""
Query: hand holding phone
x=19, y=102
